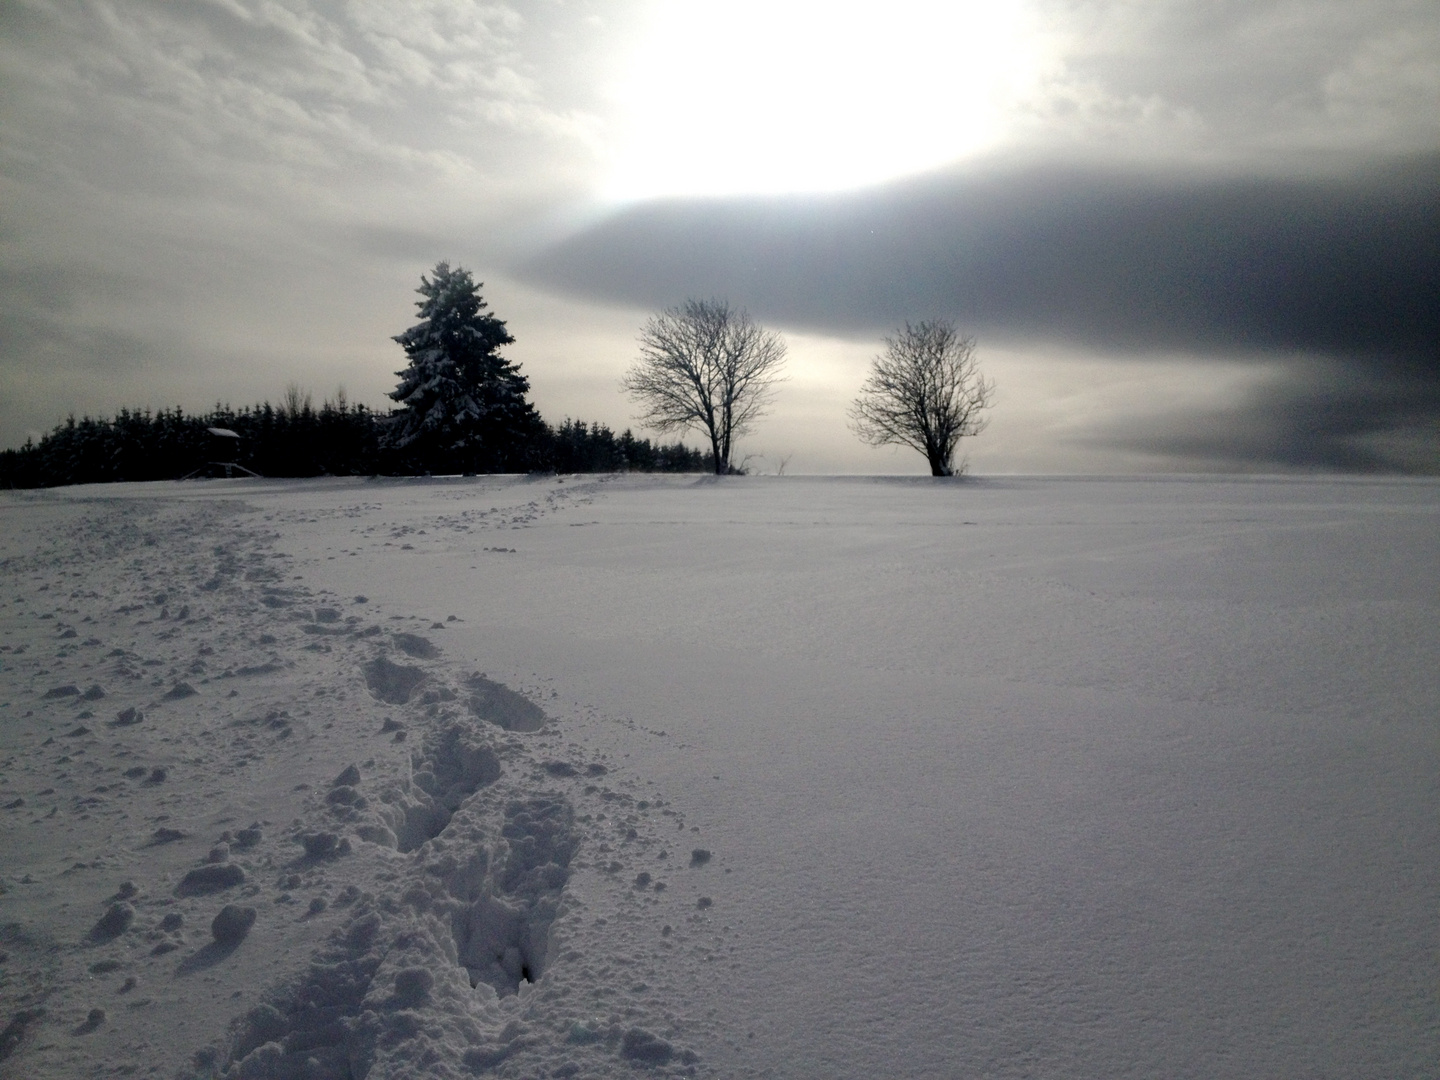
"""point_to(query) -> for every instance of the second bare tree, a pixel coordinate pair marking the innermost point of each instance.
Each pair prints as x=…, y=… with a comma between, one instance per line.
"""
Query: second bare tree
x=925, y=391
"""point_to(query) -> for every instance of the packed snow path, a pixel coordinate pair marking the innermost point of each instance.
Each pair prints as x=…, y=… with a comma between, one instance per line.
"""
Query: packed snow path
x=756, y=777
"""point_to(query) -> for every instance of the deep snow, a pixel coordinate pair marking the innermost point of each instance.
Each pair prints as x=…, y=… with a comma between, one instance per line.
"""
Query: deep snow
x=997, y=777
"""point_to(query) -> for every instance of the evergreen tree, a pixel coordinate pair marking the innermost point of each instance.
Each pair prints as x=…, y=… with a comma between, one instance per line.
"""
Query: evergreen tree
x=464, y=407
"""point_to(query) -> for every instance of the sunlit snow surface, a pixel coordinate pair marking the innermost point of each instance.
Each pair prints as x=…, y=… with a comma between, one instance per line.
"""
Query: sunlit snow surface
x=999, y=778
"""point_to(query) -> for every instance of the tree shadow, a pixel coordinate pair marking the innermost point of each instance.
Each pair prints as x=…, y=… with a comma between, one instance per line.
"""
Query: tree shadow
x=207, y=957
x=93, y=1022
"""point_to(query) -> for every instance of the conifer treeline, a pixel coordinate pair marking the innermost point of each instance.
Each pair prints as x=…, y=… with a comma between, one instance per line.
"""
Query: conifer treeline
x=296, y=440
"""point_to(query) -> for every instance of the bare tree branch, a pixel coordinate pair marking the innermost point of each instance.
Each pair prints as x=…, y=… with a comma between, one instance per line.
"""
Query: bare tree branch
x=707, y=368
x=925, y=392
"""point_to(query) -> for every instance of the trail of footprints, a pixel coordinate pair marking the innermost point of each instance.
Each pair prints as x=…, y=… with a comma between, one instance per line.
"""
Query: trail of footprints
x=468, y=518
x=406, y=915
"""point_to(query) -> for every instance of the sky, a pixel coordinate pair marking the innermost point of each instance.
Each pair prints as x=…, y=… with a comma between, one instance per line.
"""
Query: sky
x=1186, y=235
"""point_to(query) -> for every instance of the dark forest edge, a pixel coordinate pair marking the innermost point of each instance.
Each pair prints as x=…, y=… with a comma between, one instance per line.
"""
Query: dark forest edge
x=337, y=439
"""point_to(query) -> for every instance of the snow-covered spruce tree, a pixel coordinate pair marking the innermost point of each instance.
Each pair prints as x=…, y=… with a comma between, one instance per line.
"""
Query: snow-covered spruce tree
x=463, y=404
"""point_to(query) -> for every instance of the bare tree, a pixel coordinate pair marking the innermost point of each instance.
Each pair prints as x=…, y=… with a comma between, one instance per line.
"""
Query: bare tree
x=925, y=392
x=708, y=368
x=296, y=402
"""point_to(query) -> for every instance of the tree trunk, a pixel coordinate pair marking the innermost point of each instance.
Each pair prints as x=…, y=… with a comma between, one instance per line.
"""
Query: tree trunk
x=939, y=466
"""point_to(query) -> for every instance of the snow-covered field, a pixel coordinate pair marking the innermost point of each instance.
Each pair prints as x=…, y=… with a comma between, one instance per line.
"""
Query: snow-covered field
x=790, y=777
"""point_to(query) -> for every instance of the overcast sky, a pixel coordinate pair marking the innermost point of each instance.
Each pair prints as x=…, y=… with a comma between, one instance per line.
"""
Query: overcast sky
x=1187, y=235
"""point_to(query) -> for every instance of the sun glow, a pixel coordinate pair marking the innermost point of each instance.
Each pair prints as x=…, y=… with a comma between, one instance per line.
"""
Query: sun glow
x=769, y=96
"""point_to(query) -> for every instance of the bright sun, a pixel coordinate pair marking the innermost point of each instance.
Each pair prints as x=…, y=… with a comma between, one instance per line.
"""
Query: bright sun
x=769, y=96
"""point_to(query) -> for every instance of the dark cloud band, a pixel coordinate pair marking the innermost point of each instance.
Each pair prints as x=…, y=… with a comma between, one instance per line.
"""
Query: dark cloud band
x=1340, y=266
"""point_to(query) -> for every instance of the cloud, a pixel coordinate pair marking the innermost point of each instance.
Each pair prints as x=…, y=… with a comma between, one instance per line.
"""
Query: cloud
x=1312, y=415
x=149, y=97
x=1250, y=83
x=1117, y=261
